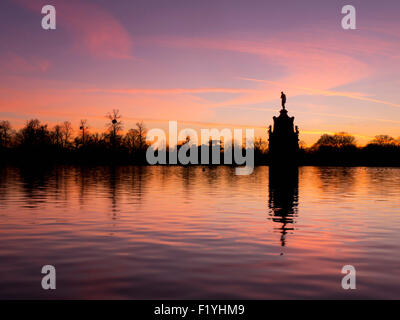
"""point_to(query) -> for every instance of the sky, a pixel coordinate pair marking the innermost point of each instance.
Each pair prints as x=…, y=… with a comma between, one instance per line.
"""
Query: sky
x=208, y=63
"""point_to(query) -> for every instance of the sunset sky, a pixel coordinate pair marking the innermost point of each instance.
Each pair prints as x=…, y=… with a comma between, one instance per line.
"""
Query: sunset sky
x=205, y=63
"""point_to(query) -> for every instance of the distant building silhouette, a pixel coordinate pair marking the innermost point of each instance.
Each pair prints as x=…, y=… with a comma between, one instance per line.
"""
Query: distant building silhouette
x=283, y=137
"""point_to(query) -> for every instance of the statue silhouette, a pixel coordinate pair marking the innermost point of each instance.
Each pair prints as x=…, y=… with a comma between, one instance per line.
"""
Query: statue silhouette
x=283, y=137
x=283, y=97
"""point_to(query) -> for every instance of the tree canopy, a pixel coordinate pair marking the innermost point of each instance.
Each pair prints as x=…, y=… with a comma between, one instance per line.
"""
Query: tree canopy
x=337, y=140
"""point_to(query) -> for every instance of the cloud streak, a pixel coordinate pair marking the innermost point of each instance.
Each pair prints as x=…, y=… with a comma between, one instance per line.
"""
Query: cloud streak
x=331, y=93
x=172, y=91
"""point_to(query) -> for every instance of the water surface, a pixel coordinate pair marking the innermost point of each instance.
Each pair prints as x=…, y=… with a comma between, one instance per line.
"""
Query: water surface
x=199, y=232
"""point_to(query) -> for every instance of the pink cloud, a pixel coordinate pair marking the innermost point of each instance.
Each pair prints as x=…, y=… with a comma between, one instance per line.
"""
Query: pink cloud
x=303, y=61
x=94, y=29
x=13, y=63
x=303, y=64
x=309, y=59
x=173, y=91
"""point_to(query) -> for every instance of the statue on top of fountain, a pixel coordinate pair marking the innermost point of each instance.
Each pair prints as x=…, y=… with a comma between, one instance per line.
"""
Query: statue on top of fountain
x=283, y=97
x=283, y=136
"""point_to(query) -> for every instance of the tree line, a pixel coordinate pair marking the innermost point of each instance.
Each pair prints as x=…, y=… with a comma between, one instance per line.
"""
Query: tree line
x=341, y=149
x=37, y=142
x=63, y=143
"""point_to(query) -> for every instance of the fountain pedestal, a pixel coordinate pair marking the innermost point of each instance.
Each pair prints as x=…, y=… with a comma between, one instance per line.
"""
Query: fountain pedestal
x=283, y=139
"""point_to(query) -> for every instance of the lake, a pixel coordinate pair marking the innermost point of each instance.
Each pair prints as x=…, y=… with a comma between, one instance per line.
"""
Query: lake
x=170, y=232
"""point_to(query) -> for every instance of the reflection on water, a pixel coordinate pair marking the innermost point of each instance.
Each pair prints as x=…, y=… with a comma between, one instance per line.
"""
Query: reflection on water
x=283, y=197
x=199, y=232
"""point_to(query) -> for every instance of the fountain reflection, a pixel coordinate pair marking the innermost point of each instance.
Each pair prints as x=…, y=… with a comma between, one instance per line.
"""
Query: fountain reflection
x=283, y=198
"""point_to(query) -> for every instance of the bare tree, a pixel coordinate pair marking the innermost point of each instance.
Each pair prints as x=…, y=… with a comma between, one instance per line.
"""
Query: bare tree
x=115, y=125
x=83, y=127
x=135, y=139
x=140, y=134
x=67, y=132
x=57, y=135
x=130, y=139
x=260, y=145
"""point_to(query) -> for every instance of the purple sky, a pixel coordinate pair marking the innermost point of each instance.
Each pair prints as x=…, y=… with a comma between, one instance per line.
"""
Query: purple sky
x=204, y=63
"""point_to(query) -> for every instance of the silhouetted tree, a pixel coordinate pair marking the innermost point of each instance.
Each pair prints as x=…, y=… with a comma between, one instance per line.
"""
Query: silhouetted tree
x=83, y=127
x=57, y=136
x=338, y=140
x=302, y=144
x=34, y=134
x=135, y=139
x=67, y=133
x=130, y=139
x=260, y=145
x=140, y=135
x=115, y=126
x=383, y=140
x=382, y=149
x=36, y=142
x=5, y=133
